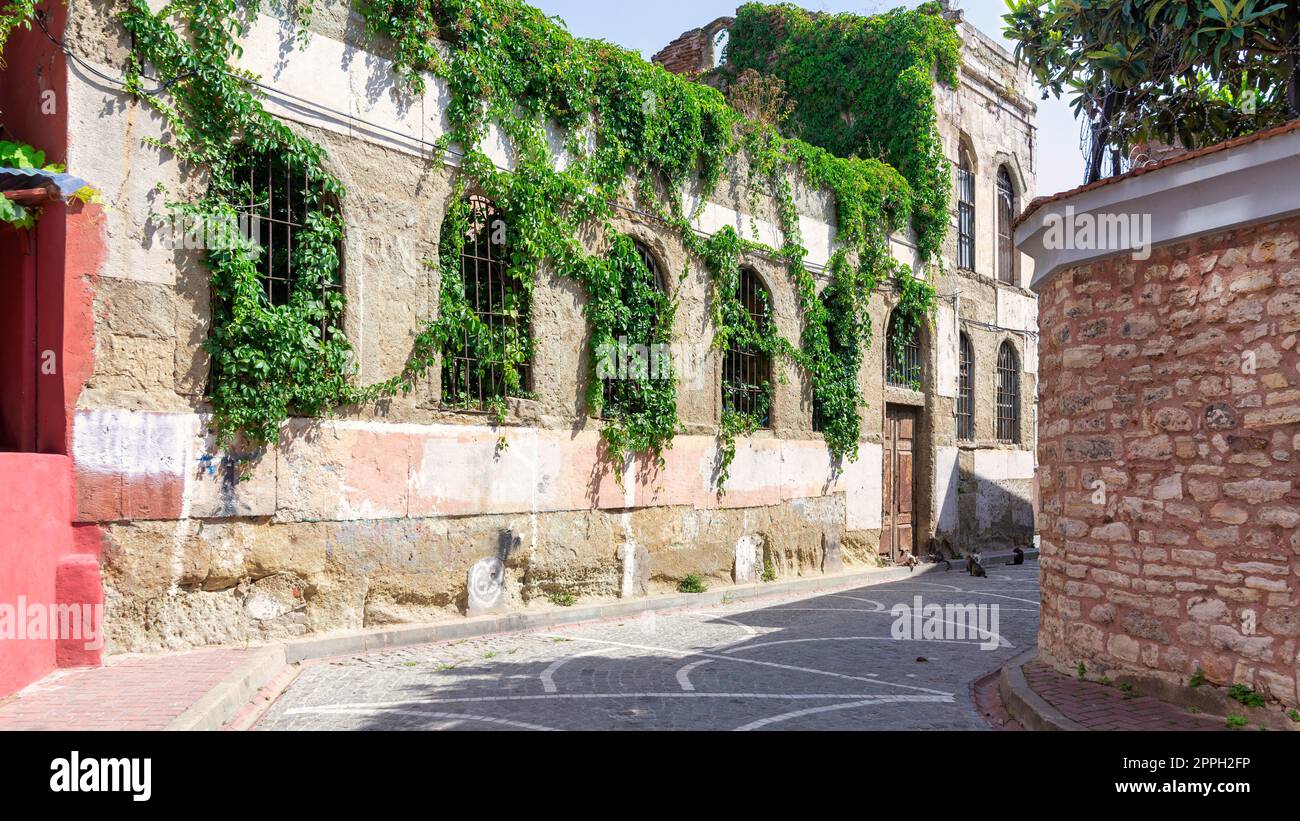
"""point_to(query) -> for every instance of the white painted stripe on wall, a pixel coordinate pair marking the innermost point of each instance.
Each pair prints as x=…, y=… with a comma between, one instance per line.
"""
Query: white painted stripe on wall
x=864, y=481
x=946, y=350
x=946, y=476
x=132, y=443
x=1001, y=465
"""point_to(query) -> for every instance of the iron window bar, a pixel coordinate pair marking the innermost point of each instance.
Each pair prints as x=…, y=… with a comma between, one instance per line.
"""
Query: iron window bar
x=470, y=380
x=965, y=216
x=966, y=392
x=613, y=397
x=277, y=196
x=1008, y=395
x=747, y=371
x=903, y=367
x=1006, y=217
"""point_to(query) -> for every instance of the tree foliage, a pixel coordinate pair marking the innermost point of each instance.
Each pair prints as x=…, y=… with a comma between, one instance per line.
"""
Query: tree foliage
x=1192, y=71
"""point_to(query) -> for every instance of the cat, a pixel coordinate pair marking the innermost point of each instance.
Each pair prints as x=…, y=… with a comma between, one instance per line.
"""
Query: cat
x=937, y=558
x=1017, y=557
x=975, y=565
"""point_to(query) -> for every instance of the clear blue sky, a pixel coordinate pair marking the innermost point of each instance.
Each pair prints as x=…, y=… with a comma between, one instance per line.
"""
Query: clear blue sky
x=649, y=26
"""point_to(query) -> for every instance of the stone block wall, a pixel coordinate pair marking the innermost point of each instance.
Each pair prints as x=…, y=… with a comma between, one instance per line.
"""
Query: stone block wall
x=1169, y=446
x=375, y=516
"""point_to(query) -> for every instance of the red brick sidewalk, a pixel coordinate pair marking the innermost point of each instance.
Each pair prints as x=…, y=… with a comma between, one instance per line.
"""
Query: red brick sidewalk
x=142, y=693
x=1101, y=707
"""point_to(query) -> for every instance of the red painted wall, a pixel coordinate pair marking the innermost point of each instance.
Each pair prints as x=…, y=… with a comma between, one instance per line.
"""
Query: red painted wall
x=35, y=511
x=17, y=340
x=47, y=306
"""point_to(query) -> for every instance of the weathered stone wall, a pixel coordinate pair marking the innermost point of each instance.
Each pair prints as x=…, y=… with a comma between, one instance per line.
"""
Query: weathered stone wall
x=1170, y=428
x=375, y=516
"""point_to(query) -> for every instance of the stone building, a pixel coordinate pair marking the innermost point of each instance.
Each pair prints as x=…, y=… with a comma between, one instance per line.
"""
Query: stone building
x=375, y=516
x=1170, y=422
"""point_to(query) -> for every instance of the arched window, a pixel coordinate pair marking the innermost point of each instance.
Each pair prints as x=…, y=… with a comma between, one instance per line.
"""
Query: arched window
x=473, y=367
x=1008, y=394
x=1007, y=211
x=903, y=353
x=966, y=391
x=747, y=371
x=720, y=41
x=640, y=345
x=275, y=198
x=966, y=212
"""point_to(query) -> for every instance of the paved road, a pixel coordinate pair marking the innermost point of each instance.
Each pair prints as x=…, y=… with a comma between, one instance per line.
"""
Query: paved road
x=825, y=662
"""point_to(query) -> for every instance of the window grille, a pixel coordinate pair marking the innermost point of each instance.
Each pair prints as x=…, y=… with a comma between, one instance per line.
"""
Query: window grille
x=618, y=396
x=274, y=197
x=473, y=373
x=903, y=355
x=966, y=392
x=1008, y=395
x=1006, y=216
x=965, y=215
x=747, y=372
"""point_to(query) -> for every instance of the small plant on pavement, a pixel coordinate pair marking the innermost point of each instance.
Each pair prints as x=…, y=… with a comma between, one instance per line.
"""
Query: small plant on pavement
x=1082, y=671
x=1198, y=678
x=769, y=571
x=1294, y=715
x=563, y=598
x=692, y=584
x=1236, y=722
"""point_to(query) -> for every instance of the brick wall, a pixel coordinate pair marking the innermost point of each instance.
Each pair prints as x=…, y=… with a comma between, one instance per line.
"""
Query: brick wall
x=1169, y=431
x=694, y=52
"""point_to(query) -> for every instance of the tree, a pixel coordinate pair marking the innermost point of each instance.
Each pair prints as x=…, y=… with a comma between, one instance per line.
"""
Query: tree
x=1194, y=72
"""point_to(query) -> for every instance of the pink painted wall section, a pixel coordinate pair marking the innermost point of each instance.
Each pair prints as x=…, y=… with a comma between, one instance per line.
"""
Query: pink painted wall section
x=138, y=465
x=35, y=535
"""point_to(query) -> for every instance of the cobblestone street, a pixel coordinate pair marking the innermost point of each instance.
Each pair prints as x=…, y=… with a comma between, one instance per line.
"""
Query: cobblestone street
x=825, y=662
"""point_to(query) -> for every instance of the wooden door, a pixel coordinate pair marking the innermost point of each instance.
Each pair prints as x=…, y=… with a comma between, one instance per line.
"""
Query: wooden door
x=898, y=535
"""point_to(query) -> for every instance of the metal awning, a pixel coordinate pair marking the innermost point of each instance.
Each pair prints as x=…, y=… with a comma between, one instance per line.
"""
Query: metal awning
x=31, y=186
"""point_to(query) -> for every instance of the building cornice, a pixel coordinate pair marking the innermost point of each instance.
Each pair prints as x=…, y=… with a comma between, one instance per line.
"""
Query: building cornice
x=1244, y=182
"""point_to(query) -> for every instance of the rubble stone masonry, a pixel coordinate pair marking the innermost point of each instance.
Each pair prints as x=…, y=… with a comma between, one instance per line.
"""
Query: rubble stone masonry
x=1169, y=439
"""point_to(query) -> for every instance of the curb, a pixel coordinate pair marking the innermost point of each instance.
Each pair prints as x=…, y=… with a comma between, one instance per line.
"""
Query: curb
x=1026, y=706
x=476, y=627
x=223, y=702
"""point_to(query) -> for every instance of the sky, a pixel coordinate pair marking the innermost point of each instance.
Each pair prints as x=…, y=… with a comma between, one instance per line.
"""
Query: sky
x=649, y=26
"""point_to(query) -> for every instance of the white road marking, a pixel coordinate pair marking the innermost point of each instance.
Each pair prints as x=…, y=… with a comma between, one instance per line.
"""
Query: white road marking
x=407, y=707
x=548, y=675
x=746, y=627
x=345, y=709
x=684, y=675
x=878, y=606
x=987, y=634
x=672, y=651
x=764, y=722
x=974, y=593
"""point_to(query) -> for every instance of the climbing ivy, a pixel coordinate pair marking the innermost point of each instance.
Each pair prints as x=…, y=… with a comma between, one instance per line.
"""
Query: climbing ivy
x=268, y=361
x=862, y=87
x=14, y=13
x=630, y=129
